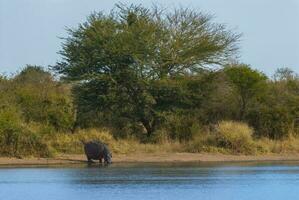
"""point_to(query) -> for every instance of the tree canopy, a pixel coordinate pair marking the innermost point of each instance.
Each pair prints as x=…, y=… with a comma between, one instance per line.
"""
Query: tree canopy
x=152, y=42
x=248, y=83
x=115, y=60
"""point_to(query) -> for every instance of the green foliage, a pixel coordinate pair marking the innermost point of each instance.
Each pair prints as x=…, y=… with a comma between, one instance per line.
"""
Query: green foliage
x=10, y=130
x=42, y=99
x=118, y=60
x=32, y=96
x=219, y=99
x=276, y=113
x=249, y=84
x=271, y=122
x=16, y=139
x=152, y=43
x=178, y=125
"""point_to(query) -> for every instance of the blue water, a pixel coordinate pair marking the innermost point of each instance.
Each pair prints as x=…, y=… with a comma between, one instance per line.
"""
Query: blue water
x=152, y=181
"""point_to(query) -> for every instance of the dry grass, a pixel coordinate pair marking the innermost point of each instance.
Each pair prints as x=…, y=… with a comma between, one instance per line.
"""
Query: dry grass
x=288, y=145
x=71, y=143
x=235, y=136
x=228, y=137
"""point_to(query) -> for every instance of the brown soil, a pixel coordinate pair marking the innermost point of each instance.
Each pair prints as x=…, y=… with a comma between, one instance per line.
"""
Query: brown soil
x=143, y=158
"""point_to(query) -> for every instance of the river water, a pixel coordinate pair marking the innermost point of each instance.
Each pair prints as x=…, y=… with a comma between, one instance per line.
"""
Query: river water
x=234, y=181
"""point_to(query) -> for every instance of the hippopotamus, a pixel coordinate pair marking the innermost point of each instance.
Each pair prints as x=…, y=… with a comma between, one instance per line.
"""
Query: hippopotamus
x=96, y=150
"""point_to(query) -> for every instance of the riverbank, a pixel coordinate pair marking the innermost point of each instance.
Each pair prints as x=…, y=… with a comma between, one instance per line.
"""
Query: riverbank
x=150, y=158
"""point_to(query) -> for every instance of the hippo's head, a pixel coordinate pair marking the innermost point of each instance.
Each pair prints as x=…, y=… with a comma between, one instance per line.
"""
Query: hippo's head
x=108, y=158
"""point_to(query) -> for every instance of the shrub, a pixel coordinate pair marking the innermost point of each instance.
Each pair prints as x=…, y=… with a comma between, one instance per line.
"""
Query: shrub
x=160, y=136
x=72, y=143
x=180, y=126
x=10, y=130
x=42, y=99
x=274, y=122
x=235, y=136
x=16, y=139
x=32, y=144
x=204, y=142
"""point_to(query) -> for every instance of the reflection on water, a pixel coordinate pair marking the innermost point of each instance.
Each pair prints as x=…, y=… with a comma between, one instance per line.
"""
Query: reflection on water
x=152, y=181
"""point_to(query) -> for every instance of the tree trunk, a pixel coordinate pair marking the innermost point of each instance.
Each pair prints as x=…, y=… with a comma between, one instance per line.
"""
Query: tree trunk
x=243, y=108
x=148, y=126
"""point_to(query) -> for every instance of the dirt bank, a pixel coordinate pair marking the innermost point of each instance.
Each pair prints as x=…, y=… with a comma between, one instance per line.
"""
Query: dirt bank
x=165, y=157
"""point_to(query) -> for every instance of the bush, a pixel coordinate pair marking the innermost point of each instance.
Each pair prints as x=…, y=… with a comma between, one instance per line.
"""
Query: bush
x=72, y=143
x=204, y=141
x=16, y=139
x=10, y=130
x=42, y=99
x=235, y=136
x=160, y=136
x=32, y=144
x=180, y=126
x=274, y=122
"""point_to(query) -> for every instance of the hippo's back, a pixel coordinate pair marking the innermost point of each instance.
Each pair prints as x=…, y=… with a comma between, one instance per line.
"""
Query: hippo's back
x=93, y=150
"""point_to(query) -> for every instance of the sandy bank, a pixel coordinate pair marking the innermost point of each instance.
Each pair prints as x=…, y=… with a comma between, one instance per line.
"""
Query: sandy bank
x=142, y=158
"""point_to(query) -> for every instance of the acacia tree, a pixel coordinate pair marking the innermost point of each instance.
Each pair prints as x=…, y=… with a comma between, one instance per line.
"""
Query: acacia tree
x=113, y=59
x=285, y=73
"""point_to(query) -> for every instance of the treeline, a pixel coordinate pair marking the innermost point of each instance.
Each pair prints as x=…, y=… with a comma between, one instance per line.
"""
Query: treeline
x=148, y=74
x=179, y=106
x=35, y=105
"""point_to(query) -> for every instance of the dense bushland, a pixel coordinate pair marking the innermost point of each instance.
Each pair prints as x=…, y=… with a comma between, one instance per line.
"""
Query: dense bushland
x=41, y=119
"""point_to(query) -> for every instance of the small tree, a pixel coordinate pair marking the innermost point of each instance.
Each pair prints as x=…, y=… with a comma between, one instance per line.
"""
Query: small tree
x=284, y=73
x=249, y=84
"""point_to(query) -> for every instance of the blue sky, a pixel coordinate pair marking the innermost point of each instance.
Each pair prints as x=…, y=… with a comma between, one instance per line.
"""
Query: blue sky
x=30, y=29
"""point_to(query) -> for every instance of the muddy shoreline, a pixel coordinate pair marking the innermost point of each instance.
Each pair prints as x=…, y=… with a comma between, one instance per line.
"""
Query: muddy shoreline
x=150, y=158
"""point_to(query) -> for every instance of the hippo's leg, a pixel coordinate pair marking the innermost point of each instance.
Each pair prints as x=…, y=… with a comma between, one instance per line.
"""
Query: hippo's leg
x=89, y=159
x=100, y=159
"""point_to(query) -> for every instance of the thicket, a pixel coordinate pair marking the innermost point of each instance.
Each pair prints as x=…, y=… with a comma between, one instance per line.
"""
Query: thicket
x=38, y=115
